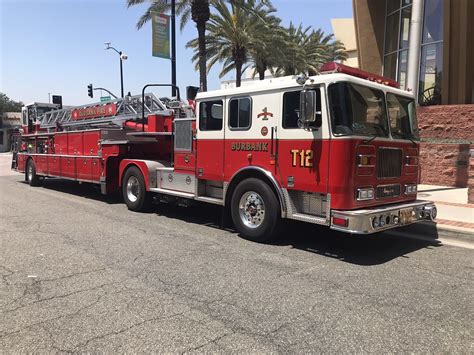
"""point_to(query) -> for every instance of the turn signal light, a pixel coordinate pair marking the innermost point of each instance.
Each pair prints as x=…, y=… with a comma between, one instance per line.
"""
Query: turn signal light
x=342, y=222
x=410, y=160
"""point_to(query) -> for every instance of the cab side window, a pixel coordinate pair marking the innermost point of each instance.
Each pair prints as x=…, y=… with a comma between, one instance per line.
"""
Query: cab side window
x=240, y=113
x=210, y=115
x=291, y=107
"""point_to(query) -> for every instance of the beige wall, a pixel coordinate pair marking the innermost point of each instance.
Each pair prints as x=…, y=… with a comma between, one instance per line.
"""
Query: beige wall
x=344, y=31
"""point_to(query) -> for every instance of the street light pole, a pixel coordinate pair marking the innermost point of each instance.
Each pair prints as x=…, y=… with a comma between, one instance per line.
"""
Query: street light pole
x=122, y=57
x=121, y=75
x=173, y=48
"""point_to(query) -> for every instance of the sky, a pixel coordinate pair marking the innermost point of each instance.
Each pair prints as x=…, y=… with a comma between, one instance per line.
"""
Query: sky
x=57, y=47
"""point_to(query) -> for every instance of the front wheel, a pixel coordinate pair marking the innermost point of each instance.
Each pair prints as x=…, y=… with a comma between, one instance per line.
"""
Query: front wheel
x=134, y=191
x=30, y=174
x=255, y=210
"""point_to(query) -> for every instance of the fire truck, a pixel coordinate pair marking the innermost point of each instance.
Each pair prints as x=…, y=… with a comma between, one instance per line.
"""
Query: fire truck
x=339, y=149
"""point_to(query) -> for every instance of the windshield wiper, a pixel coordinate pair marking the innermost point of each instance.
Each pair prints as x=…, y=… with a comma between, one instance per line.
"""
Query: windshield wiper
x=372, y=137
x=412, y=140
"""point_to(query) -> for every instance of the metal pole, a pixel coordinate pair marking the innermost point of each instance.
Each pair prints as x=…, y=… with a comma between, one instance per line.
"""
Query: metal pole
x=414, y=52
x=173, y=48
x=121, y=74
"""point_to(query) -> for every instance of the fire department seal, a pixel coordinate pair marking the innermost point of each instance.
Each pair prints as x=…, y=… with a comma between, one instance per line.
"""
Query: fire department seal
x=264, y=131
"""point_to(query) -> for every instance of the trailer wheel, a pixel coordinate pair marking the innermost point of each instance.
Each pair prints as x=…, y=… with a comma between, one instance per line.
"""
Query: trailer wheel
x=255, y=210
x=134, y=191
x=30, y=174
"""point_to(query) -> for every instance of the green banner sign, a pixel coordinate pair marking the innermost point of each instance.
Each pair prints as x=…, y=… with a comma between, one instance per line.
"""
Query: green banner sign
x=105, y=98
x=160, y=35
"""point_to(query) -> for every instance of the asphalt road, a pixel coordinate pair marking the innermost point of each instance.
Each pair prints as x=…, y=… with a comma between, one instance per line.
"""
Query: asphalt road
x=79, y=273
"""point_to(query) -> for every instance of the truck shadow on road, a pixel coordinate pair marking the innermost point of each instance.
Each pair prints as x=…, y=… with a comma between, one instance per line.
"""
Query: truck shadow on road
x=366, y=250
x=85, y=190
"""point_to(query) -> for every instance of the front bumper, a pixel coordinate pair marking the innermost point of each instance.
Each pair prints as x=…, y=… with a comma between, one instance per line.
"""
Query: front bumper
x=378, y=219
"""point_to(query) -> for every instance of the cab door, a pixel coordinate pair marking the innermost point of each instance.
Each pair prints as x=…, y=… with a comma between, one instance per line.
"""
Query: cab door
x=303, y=153
x=210, y=139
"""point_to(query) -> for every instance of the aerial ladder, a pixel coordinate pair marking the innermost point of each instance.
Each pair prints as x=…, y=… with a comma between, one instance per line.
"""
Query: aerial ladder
x=100, y=114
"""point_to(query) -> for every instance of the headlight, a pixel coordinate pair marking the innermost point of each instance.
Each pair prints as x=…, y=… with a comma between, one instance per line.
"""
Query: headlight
x=364, y=194
x=410, y=189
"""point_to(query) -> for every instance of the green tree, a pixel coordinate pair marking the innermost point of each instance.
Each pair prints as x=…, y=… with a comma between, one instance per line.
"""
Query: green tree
x=197, y=10
x=268, y=53
x=306, y=50
x=233, y=31
x=9, y=105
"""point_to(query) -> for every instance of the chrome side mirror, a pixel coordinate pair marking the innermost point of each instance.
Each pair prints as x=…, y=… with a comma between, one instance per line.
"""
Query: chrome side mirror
x=308, y=114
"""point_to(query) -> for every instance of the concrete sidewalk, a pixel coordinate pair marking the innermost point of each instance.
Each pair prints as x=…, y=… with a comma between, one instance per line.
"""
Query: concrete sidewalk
x=454, y=213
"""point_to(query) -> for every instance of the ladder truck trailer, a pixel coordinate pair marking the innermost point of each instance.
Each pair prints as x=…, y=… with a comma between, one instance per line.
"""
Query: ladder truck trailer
x=339, y=149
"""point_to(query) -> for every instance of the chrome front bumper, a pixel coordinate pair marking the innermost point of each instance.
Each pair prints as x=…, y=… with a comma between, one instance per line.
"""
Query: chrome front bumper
x=378, y=219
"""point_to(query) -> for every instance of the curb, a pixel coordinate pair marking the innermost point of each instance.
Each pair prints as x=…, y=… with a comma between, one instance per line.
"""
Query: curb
x=436, y=233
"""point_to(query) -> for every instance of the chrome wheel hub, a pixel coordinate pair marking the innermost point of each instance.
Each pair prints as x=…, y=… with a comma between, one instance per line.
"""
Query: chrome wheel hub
x=133, y=189
x=251, y=209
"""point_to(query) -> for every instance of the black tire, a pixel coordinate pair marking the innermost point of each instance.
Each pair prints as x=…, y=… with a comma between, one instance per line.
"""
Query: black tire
x=249, y=221
x=30, y=173
x=135, y=195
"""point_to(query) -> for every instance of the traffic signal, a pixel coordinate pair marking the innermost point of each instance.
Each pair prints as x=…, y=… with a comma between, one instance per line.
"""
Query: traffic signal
x=89, y=91
x=58, y=100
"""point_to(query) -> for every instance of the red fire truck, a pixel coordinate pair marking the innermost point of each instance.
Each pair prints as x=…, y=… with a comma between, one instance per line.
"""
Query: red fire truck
x=338, y=149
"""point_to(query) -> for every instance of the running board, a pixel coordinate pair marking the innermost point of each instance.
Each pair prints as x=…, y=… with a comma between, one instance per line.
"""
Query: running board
x=173, y=193
x=215, y=201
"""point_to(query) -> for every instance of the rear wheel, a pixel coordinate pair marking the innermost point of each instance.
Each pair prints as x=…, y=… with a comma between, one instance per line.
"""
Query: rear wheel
x=134, y=191
x=30, y=174
x=255, y=210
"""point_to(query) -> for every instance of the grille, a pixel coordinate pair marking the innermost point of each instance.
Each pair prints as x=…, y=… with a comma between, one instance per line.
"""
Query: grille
x=389, y=163
x=387, y=191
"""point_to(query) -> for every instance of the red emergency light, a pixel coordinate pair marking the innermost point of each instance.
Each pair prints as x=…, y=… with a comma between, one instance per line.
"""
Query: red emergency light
x=333, y=67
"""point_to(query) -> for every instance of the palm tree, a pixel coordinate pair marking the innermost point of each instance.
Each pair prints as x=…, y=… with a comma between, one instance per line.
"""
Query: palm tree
x=269, y=52
x=232, y=33
x=305, y=50
x=197, y=10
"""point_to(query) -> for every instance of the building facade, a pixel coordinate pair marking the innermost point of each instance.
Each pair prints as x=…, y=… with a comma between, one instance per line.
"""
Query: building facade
x=426, y=46
x=9, y=121
x=423, y=44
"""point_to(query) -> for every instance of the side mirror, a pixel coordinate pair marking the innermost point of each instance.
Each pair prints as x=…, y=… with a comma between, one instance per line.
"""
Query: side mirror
x=308, y=114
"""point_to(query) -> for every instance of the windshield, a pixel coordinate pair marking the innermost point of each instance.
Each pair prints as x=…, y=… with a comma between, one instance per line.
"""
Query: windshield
x=402, y=117
x=357, y=110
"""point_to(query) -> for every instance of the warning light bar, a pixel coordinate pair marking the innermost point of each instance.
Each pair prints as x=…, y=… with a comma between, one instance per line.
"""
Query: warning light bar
x=333, y=67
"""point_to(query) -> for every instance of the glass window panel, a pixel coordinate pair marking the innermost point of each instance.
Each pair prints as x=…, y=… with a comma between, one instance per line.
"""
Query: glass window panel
x=405, y=27
x=391, y=32
x=390, y=66
x=210, y=115
x=433, y=21
x=431, y=71
x=357, y=110
x=402, y=116
x=392, y=5
x=291, y=107
x=406, y=2
x=239, y=113
x=402, y=69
